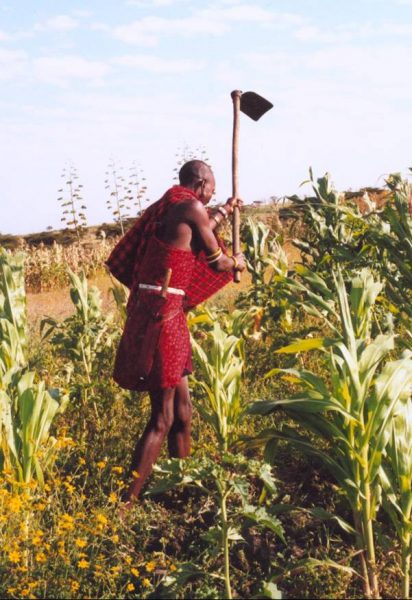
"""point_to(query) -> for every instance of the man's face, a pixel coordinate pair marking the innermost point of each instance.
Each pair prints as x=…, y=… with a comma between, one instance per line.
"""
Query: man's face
x=207, y=189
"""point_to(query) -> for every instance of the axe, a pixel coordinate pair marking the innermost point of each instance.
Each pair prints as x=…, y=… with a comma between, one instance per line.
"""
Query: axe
x=254, y=106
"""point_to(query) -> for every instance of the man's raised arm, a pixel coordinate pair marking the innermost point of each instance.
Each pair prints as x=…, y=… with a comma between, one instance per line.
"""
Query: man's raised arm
x=197, y=217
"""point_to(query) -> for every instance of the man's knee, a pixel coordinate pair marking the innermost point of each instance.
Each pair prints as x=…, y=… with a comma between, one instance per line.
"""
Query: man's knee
x=162, y=422
x=162, y=411
x=183, y=413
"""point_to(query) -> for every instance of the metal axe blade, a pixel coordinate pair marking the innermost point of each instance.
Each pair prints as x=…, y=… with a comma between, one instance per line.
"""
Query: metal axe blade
x=253, y=105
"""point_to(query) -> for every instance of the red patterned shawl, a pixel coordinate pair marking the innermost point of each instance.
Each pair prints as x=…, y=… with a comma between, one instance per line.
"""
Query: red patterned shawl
x=125, y=258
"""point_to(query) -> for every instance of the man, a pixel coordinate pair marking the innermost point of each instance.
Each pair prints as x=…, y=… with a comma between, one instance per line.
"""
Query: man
x=171, y=260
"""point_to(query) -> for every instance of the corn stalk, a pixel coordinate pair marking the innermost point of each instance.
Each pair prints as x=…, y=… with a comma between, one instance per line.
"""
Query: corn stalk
x=220, y=363
x=352, y=409
x=396, y=478
x=27, y=409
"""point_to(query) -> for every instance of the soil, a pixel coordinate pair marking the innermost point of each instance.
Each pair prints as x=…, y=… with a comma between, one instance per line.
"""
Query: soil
x=58, y=305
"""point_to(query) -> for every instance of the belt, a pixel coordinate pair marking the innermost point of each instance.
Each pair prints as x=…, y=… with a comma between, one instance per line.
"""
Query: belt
x=158, y=288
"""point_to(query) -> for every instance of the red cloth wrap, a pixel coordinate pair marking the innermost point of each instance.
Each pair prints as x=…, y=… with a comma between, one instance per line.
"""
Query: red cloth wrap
x=154, y=352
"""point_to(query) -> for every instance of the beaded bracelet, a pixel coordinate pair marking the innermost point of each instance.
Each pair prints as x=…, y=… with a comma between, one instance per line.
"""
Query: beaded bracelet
x=214, y=257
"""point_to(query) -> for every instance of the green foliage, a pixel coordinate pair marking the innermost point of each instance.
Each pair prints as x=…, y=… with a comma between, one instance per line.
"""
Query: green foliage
x=351, y=409
x=228, y=484
x=13, y=318
x=334, y=229
x=27, y=408
x=267, y=263
x=85, y=335
x=220, y=362
x=396, y=478
x=393, y=240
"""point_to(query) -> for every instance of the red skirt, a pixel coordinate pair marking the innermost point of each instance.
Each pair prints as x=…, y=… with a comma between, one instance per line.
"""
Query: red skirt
x=154, y=351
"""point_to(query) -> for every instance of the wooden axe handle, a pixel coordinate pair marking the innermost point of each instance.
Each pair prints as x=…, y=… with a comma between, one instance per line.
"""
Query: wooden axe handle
x=236, y=94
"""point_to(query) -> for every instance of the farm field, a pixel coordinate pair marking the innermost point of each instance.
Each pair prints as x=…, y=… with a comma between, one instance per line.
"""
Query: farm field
x=299, y=484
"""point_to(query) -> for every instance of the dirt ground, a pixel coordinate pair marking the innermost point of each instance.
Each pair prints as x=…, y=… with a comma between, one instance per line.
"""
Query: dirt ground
x=57, y=303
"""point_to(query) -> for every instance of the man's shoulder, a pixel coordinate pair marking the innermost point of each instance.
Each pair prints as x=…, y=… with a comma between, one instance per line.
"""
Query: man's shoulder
x=190, y=206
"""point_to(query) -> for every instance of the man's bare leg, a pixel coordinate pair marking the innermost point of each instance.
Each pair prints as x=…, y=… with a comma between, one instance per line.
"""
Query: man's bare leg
x=149, y=445
x=179, y=434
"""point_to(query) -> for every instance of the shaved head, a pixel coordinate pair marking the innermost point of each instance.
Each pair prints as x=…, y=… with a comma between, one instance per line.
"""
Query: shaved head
x=194, y=171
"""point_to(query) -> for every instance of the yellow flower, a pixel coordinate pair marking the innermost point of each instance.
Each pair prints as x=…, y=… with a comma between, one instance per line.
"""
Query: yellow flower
x=69, y=487
x=101, y=464
x=113, y=497
x=66, y=522
x=80, y=543
x=135, y=474
x=74, y=586
x=134, y=572
x=41, y=557
x=118, y=470
x=82, y=461
x=36, y=541
x=146, y=582
x=83, y=564
x=173, y=567
x=101, y=519
x=150, y=566
x=128, y=559
x=14, y=556
x=130, y=587
x=39, y=532
x=15, y=504
x=115, y=539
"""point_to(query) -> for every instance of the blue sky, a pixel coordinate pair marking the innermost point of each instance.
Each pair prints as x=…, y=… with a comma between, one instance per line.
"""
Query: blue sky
x=135, y=80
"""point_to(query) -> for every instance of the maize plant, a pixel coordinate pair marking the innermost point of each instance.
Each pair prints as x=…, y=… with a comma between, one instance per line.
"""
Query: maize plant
x=13, y=320
x=396, y=478
x=335, y=230
x=220, y=363
x=268, y=265
x=84, y=335
x=27, y=409
x=393, y=239
x=351, y=410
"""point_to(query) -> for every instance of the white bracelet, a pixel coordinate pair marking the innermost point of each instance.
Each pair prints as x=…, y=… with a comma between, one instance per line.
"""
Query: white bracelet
x=222, y=211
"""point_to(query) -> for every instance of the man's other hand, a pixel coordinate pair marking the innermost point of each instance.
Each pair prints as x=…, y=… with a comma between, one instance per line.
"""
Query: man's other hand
x=241, y=262
x=231, y=203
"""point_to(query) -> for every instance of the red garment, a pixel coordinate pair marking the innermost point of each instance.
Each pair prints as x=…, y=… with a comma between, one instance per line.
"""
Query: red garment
x=124, y=261
x=154, y=352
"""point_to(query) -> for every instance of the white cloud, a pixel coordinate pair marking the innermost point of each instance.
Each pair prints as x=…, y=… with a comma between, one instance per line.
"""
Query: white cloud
x=61, y=70
x=153, y=3
x=12, y=63
x=352, y=32
x=209, y=21
x=6, y=36
x=58, y=23
x=155, y=64
x=146, y=31
x=82, y=13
